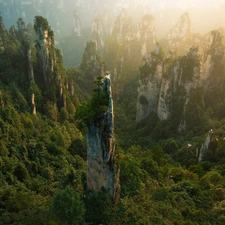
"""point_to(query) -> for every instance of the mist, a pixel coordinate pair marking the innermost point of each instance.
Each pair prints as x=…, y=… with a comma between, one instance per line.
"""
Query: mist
x=205, y=15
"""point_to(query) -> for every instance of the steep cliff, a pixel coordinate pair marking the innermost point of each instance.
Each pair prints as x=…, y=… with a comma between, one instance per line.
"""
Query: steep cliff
x=97, y=34
x=50, y=74
x=180, y=33
x=213, y=67
x=76, y=23
x=92, y=65
x=180, y=86
x=166, y=85
x=26, y=48
x=101, y=28
x=125, y=47
x=204, y=147
x=45, y=48
x=149, y=84
x=144, y=34
x=102, y=169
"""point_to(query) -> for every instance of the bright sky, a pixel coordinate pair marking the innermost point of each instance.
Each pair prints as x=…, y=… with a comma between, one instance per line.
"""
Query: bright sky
x=182, y=3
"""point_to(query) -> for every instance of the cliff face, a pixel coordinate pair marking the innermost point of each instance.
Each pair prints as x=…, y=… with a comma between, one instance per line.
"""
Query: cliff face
x=92, y=65
x=97, y=34
x=128, y=42
x=169, y=85
x=26, y=48
x=45, y=48
x=76, y=23
x=101, y=29
x=102, y=169
x=166, y=84
x=213, y=68
x=146, y=33
x=149, y=85
x=180, y=33
x=204, y=147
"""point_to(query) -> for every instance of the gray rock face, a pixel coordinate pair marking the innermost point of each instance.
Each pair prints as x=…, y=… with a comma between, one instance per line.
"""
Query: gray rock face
x=23, y=35
x=22, y=29
x=97, y=34
x=213, y=57
x=180, y=31
x=205, y=146
x=163, y=82
x=76, y=23
x=30, y=66
x=149, y=87
x=45, y=50
x=102, y=169
x=171, y=81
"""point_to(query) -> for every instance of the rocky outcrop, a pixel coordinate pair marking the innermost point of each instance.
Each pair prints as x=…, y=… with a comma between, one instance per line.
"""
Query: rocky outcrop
x=45, y=48
x=92, y=65
x=145, y=33
x=128, y=42
x=213, y=57
x=22, y=31
x=76, y=23
x=180, y=32
x=30, y=66
x=166, y=84
x=97, y=34
x=121, y=25
x=204, y=147
x=102, y=169
x=149, y=85
x=101, y=29
x=26, y=48
x=34, y=111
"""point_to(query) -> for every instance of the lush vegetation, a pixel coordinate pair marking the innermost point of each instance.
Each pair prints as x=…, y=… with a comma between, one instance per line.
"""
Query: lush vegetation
x=43, y=155
x=90, y=112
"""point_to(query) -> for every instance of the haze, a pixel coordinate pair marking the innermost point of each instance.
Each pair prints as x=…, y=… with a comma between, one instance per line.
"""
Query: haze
x=205, y=15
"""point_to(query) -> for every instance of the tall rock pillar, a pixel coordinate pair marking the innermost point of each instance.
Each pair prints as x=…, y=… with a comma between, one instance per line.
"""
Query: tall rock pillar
x=102, y=169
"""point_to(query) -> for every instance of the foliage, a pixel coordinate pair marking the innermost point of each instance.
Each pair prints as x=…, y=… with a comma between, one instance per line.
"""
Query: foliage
x=150, y=64
x=43, y=156
x=91, y=111
x=67, y=207
x=99, y=208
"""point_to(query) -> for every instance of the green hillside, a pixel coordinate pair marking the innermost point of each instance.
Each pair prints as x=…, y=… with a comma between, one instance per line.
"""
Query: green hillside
x=43, y=153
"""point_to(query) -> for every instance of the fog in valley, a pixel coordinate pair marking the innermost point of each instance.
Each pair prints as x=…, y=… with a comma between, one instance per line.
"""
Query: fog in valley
x=205, y=15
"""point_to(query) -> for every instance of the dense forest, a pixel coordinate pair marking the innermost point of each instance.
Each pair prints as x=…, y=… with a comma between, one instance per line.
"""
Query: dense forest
x=43, y=144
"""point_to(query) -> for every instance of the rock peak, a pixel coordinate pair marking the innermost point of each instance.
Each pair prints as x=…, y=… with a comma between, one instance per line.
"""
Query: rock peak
x=180, y=32
x=102, y=169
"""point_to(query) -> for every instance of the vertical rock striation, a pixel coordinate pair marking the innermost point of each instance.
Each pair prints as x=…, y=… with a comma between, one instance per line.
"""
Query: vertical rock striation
x=102, y=169
x=166, y=84
x=204, y=147
x=26, y=48
x=189, y=79
x=97, y=34
x=180, y=33
x=45, y=48
x=149, y=84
